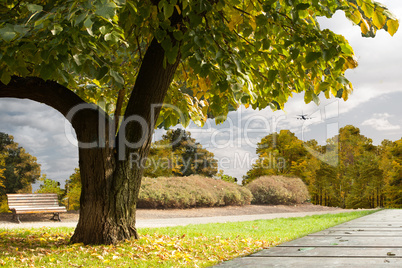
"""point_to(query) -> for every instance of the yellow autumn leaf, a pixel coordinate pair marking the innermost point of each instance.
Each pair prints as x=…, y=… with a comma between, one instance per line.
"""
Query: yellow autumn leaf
x=356, y=17
x=345, y=95
x=379, y=19
x=199, y=95
x=96, y=82
x=364, y=27
x=231, y=25
x=392, y=26
x=351, y=62
x=353, y=5
x=253, y=24
x=203, y=85
x=235, y=20
x=368, y=8
x=327, y=93
x=178, y=9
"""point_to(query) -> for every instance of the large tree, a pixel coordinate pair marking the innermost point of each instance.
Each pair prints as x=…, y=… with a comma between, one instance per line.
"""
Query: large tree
x=19, y=168
x=278, y=153
x=187, y=157
x=124, y=55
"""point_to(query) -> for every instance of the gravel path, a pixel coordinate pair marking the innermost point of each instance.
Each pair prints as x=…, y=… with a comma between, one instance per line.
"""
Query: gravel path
x=181, y=217
x=222, y=219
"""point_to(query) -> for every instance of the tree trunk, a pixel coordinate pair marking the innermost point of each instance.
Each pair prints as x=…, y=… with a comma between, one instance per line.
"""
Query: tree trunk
x=108, y=199
x=110, y=180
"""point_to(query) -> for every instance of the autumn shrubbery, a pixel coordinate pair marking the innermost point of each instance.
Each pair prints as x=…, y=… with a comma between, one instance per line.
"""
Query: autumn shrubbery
x=192, y=191
x=3, y=204
x=278, y=190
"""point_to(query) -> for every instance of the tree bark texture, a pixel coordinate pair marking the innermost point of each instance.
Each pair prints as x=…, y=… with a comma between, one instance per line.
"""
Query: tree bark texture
x=110, y=182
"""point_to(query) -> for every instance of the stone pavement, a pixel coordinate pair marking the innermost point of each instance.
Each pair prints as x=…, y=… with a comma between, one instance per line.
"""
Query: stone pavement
x=370, y=241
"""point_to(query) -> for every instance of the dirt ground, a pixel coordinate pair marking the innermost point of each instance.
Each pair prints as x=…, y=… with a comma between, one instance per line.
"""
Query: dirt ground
x=183, y=213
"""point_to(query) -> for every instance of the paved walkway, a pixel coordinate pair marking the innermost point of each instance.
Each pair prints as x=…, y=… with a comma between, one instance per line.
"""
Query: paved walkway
x=371, y=241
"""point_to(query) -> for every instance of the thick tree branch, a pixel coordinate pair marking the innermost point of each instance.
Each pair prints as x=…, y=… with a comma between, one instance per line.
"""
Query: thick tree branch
x=58, y=97
x=147, y=97
x=48, y=92
x=119, y=106
x=152, y=83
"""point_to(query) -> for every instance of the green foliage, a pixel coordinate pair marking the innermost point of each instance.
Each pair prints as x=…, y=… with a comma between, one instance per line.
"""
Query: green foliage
x=73, y=191
x=177, y=154
x=162, y=162
x=19, y=169
x=275, y=48
x=394, y=172
x=225, y=177
x=193, y=191
x=278, y=190
x=3, y=204
x=50, y=186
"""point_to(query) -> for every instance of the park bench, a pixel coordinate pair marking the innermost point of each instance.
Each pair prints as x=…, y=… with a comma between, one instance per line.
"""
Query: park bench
x=34, y=203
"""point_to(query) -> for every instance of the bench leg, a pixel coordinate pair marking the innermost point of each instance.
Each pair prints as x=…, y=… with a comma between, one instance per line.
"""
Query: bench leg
x=56, y=217
x=16, y=217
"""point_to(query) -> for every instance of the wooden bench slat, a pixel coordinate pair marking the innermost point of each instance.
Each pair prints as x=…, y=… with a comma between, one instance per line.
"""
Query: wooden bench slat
x=35, y=203
x=32, y=199
x=21, y=210
x=44, y=194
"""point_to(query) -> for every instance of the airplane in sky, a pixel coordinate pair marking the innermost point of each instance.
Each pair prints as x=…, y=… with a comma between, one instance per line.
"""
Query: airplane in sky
x=303, y=117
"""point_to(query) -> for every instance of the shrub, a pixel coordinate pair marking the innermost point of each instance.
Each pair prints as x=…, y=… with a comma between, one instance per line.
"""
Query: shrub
x=189, y=192
x=278, y=190
x=3, y=204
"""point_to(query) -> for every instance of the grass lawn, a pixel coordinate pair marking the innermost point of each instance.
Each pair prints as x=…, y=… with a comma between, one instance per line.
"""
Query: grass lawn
x=188, y=246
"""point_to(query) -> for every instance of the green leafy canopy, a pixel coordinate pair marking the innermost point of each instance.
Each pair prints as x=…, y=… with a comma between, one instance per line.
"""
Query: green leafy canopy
x=231, y=52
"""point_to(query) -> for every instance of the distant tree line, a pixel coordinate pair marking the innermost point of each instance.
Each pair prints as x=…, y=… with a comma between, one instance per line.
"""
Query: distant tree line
x=348, y=171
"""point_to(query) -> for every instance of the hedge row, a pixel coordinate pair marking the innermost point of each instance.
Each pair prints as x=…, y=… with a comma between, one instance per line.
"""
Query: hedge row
x=198, y=191
x=192, y=191
x=278, y=190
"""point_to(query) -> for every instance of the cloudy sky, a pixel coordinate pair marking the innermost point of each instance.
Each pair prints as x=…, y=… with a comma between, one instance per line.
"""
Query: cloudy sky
x=375, y=107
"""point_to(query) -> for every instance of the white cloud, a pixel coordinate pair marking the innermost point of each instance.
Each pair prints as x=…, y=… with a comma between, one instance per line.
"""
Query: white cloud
x=40, y=130
x=380, y=122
